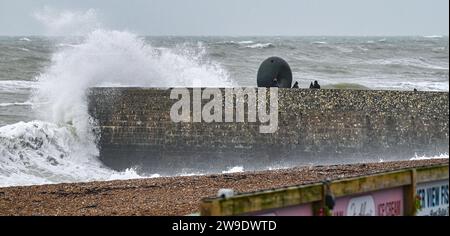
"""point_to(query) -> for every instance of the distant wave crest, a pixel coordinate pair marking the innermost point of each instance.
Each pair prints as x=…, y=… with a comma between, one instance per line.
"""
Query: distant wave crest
x=247, y=44
x=25, y=39
x=433, y=36
x=8, y=104
x=14, y=85
x=260, y=45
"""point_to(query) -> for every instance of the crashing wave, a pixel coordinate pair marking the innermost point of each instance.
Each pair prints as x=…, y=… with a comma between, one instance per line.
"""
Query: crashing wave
x=39, y=152
x=61, y=147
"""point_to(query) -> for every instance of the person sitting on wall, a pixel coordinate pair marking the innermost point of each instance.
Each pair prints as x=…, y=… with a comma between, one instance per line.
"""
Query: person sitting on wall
x=316, y=85
x=295, y=85
x=311, y=86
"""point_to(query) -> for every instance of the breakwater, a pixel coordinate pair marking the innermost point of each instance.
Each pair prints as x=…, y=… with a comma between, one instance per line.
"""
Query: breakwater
x=314, y=127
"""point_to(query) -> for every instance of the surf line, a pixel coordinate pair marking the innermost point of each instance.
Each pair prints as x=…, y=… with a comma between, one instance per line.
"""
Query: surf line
x=222, y=103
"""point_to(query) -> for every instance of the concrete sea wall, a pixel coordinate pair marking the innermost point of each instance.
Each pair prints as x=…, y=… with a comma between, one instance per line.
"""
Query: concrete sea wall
x=315, y=127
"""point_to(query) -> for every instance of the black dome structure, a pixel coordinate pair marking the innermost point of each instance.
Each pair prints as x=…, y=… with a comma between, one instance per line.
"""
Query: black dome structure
x=274, y=72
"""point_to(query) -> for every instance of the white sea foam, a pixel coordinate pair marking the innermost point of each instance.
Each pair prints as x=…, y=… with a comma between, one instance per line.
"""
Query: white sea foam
x=236, y=169
x=246, y=42
x=25, y=39
x=9, y=104
x=319, y=42
x=260, y=45
x=441, y=156
x=66, y=45
x=40, y=152
x=433, y=36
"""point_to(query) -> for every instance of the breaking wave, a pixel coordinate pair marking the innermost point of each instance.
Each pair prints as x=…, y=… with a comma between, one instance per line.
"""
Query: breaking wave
x=60, y=146
x=40, y=152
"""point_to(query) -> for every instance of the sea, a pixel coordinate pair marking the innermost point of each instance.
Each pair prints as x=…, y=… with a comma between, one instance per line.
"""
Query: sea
x=45, y=131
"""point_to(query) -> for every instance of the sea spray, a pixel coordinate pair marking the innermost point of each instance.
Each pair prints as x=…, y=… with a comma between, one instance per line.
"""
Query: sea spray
x=113, y=58
x=67, y=22
x=61, y=145
x=40, y=152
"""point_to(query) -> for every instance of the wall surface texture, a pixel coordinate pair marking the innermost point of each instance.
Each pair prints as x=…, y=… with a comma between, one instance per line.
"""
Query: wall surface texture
x=315, y=127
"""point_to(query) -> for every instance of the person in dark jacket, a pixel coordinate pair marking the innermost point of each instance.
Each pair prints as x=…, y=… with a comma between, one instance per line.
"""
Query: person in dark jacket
x=316, y=85
x=311, y=86
x=295, y=85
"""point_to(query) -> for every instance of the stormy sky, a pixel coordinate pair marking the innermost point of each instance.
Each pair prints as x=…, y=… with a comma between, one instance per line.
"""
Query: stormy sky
x=230, y=17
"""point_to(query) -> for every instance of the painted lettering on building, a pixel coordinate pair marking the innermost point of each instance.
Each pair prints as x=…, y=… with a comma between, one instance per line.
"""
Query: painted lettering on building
x=433, y=198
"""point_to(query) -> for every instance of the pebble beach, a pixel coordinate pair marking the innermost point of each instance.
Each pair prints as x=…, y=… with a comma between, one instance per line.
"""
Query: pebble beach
x=170, y=196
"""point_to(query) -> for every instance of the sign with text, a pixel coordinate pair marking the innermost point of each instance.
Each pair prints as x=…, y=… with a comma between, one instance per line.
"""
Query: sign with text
x=433, y=198
x=387, y=202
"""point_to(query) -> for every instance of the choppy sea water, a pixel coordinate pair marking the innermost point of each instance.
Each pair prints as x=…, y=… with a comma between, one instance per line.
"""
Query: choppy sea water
x=44, y=126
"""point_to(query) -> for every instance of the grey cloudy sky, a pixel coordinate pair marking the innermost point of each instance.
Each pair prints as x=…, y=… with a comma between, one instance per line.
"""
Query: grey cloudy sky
x=243, y=17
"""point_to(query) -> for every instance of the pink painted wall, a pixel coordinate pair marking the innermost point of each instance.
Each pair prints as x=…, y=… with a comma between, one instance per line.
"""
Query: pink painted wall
x=387, y=202
x=381, y=203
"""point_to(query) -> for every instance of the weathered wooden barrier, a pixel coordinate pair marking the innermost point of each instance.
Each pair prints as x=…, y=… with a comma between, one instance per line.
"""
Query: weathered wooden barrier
x=418, y=191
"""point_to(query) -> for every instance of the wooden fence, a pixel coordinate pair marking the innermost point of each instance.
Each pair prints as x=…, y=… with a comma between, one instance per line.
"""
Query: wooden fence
x=416, y=191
